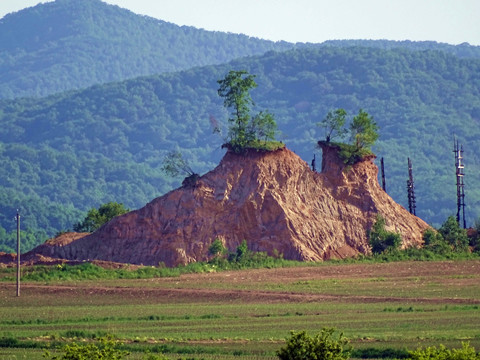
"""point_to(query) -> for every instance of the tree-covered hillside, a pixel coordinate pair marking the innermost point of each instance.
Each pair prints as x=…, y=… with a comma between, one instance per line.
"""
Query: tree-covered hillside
x=67, y=153
x=464, y=50
x=72, y=44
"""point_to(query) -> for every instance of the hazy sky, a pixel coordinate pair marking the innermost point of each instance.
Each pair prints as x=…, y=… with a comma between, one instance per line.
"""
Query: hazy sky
x=449, y=21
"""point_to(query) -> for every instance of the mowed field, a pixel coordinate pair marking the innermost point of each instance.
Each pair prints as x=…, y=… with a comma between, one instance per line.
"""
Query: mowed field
x=248, y=314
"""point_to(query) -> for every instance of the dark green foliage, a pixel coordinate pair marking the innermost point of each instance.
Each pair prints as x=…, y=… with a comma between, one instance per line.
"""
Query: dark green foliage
x=216, y=248
x=244, y=258
x=96, y=218
x=466, y=352
x=323, y=346
x=453, y=234
x=474, y=237
x=375, y=353
x=242, y=251
x=28, y=239
x=351, y=154
x=382, y=240
x=434, y=241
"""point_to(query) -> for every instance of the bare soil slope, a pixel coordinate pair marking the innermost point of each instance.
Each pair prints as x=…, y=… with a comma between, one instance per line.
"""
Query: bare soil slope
x=271, y=199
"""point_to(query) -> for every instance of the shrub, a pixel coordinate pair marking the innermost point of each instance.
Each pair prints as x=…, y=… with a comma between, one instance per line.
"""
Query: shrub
x=216, y=248
x=350, y=154
x=96, y=218
x=323, y=346
x=453, y=234
x=106, y=350
x=467, y=352
x=382, y=240
x=433, y=241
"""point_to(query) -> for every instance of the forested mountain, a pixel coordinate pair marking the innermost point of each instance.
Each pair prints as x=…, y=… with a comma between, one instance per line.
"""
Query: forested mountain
x=66, y=153
x=72, y=44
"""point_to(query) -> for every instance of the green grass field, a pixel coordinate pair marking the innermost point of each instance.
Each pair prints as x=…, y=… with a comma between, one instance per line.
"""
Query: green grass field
x=248, y=314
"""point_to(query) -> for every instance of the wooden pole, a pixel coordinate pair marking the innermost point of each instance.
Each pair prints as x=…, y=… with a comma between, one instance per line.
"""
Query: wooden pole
x=383, y=175
x=18, y=253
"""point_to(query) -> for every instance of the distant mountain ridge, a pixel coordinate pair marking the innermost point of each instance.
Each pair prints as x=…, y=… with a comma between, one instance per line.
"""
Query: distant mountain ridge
x=72, y=44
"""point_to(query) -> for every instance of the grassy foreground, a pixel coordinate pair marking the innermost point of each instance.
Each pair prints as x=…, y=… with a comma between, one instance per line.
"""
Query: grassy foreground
x=382, y=307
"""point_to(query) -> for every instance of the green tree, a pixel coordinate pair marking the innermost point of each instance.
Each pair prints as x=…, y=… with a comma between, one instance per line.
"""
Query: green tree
x=363, y=131
x=96, y=218
x=363, y=134
x=235, y=90
x=380, y=239
x=334, y=123
x=244, y=130
x=174, y=165
x=264, y=126
x=323, y=346
x=453, y=234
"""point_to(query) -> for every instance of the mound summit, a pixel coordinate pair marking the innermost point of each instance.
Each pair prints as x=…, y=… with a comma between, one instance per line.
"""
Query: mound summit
x=271, y=199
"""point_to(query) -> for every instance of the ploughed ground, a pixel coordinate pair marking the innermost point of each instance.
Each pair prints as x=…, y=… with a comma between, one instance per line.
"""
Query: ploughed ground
x=246, y=286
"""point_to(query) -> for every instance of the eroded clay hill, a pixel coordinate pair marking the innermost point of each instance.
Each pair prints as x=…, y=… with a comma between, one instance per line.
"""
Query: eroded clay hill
x=273, y=200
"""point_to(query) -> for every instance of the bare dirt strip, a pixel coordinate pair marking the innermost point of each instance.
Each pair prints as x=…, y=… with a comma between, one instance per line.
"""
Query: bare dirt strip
x=227, y=286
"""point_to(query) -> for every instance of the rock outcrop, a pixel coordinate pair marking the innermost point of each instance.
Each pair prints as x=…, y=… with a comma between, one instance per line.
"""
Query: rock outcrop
x=271, y=199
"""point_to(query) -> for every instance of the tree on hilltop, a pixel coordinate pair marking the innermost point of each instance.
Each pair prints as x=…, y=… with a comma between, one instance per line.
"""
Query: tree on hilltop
x=334, y=123
x=245, y=131
x=174, y=165
x=362, y=130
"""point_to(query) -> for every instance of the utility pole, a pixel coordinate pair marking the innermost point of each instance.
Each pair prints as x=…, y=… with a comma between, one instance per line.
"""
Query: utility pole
x=18, y=253
x=458, y=150
x=383, y=175
x=411, y=190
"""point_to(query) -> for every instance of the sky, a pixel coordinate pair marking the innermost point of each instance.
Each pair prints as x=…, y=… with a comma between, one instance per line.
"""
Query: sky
x=447, y=21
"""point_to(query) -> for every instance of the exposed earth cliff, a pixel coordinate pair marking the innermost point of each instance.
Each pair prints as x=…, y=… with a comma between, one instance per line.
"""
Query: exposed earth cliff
x=271, y=199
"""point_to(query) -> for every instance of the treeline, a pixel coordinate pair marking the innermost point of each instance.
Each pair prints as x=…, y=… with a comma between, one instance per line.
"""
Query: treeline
x=64, y=154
